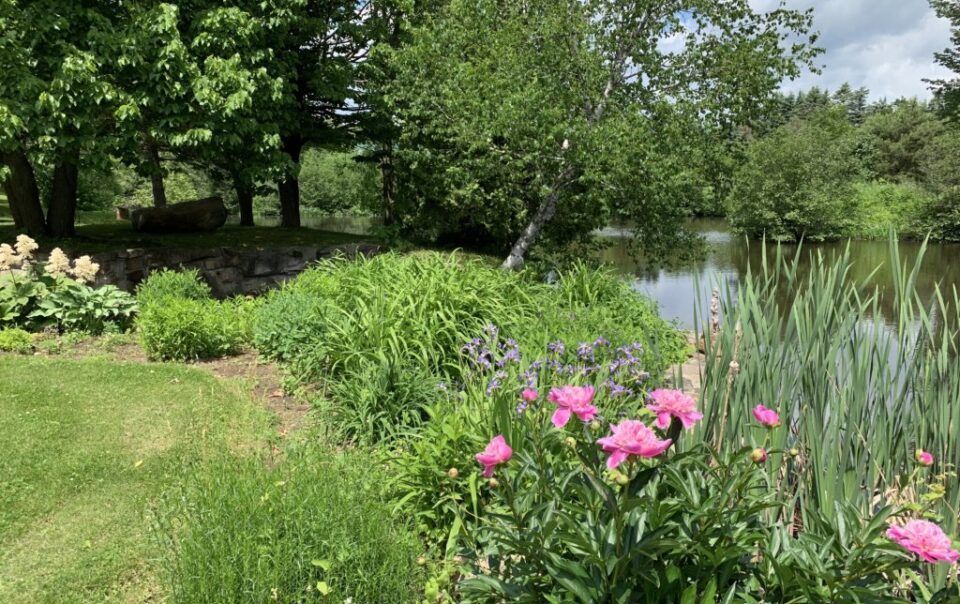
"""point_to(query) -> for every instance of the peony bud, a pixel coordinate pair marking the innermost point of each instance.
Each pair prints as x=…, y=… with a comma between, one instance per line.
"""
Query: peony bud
x=794, y=452
x=453, y=473
x=570, y=442
x=758, y=455
x=924, y=458
x=492, y=483
x=421, y=560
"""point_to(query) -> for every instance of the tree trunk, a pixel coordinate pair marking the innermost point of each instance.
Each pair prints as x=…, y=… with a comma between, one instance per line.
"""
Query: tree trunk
x=63, y=197
x=289, y=187
x=543, y=215
x=389, y=184
x=245, y=199
x=152, y=154
x=21, y=188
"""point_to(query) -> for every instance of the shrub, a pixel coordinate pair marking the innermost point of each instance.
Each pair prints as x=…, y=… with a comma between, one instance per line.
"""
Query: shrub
x=186, y=329
x=16, y=340
x=287, y=325
x=882, y=206
x=940, y=217
x=168, y=283
x=797, y=182
x=240, y=533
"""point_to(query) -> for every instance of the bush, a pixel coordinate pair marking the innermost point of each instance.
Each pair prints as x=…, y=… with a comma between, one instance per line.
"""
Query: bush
x=797, y=182
x=16, y=340
x=241, y=533
x=383, y=332
x=334, y=182
x=882, y=206
x=185, y=329
x=940, y=217
x=287, y=325
x=168, y=283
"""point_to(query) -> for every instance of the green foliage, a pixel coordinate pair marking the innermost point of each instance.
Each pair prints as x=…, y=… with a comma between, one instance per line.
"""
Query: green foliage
x=16, y=340
x=167, y=283
x=184, y=329
x=899, y=138
x=74, y=306
x=940, y=217
x=593, y=125
x=382, y=332
x=798, y=181
x=863, y=395
x=290, y=325
x=240, y=533
x=948, y=90
x=335, y=182
x=883, y=206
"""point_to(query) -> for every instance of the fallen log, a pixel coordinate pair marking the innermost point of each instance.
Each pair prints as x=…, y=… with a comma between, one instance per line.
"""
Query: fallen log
x=207, y=214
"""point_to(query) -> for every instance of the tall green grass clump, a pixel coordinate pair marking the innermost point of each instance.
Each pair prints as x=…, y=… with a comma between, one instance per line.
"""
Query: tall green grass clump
x=382, y=333
x=168, y=283
x=863, y=380
x=315, y=524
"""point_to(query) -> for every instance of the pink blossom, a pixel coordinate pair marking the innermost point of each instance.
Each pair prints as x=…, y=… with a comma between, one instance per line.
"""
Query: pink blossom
x=925, y=539
x=572, y=399
x=529, y=395
x=767, y=417
x=497, y=452
x=924, y=458
x=631, y=437
x=673, y=403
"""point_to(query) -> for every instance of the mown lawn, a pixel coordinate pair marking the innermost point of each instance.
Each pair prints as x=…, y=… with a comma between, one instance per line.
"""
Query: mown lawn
x=88, y=444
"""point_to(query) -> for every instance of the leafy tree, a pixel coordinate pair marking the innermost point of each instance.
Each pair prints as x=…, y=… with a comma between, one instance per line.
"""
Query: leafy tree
x=798, y=182
x=948, y=91
x=899, y=138
x=566, y=113
x=52, y=101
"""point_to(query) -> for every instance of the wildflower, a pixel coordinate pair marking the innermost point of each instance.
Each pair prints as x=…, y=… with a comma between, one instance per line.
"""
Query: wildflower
x=601, y=341
x=557, y=348
x=85, y=269
x=673, y=403
x=25, y=246
x=8, y=257
x=631, y=437
x=521, y=407
x=529, y=395
x=924, y=458
x=58, y=264
x=585, y=351
x=925, y=539
x=453, y=473
x=758, y=455
x=491, y=330
x=767, y=417
x=497, y=452
x=572, y=399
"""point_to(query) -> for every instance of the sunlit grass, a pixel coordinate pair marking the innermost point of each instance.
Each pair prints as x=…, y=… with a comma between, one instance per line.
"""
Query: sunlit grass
x=89, y=443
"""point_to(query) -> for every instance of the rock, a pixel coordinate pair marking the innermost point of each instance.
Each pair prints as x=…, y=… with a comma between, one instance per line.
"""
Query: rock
x=201, y=215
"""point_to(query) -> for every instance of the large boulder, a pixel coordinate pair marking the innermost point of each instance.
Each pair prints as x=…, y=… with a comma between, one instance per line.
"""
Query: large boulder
x=191, y=216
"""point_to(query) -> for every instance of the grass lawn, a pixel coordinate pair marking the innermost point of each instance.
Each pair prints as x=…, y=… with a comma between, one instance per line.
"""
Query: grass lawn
x=89, y=443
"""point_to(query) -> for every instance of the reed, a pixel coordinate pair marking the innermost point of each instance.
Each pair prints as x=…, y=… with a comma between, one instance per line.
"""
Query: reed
x=863, y=378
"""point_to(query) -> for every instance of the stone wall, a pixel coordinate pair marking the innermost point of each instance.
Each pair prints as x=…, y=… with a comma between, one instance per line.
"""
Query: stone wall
x=229, y=271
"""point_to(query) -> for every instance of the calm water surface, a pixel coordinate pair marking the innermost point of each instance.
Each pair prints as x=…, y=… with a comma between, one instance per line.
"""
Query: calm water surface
x=727, y=258
x=729, y=255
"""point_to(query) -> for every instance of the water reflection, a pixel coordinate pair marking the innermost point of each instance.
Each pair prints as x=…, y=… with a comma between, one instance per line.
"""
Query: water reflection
x=729, y=256
x=354, y=225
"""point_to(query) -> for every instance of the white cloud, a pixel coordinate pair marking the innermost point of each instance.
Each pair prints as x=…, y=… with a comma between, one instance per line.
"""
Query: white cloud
x=885, y=45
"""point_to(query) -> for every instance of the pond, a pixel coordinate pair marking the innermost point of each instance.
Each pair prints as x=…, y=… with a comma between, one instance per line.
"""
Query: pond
x=729, y=254
x=727, y=257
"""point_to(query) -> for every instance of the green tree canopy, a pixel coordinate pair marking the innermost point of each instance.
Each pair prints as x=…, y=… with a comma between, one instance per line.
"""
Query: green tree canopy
x=564, y=113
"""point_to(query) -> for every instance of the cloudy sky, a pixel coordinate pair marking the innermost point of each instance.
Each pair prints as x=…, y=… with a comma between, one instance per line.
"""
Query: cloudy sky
x=885, y=45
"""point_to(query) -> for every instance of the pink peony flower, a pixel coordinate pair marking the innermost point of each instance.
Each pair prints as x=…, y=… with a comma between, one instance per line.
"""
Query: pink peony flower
x=924, y=458
x=631, y=437
x=673, y=403
x=572, y=399
x=529, y=395
x=767, y=417
x=758, y=455
x=925, y=539
x=497, y=452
